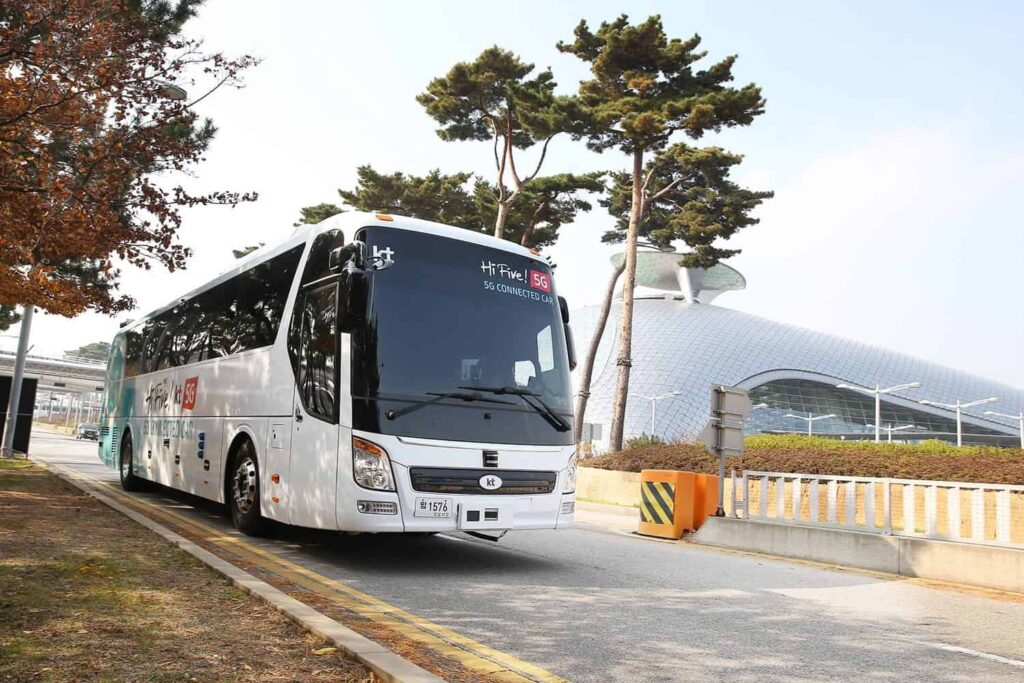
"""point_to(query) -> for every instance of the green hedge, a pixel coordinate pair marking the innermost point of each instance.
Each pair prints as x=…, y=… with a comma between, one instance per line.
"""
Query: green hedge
x=934, y=460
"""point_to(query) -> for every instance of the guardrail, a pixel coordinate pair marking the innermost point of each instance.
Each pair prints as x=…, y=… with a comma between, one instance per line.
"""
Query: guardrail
x=987, y=514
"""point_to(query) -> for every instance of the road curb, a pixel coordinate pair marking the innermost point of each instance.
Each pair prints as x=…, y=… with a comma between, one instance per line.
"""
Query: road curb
x=378, y=658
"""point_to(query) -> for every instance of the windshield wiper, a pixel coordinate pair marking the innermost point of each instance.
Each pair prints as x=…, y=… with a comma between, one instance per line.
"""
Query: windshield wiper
x=546, y=411
x=458, y=395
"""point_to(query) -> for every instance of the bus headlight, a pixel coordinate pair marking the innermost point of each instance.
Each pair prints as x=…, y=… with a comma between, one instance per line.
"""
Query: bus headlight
x=570, y=476
x=371, y=466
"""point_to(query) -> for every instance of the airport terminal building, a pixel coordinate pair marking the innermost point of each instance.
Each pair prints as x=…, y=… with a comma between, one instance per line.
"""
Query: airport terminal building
x=683, y=343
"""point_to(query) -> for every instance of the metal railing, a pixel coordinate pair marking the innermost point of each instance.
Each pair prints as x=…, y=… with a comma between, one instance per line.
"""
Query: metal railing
x=989, y=514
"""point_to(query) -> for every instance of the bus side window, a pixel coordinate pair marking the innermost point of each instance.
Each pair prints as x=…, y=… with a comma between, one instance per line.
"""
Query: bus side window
x=165, y=347
x=153, y=333
x=133, y=353
x=318, y=349
x=317, y=266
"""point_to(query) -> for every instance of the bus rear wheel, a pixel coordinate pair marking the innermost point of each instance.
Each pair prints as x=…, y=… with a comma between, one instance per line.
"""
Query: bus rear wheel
x=244, y=491
x=129, y=482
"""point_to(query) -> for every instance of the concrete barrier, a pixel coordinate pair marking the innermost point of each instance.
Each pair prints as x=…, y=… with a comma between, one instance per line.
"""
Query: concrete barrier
x=966, y=563
x=608, y=486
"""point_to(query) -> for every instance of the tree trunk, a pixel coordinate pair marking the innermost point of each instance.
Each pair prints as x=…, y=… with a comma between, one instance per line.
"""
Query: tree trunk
x=586, y=374
x=499, y=224
x=624, y=359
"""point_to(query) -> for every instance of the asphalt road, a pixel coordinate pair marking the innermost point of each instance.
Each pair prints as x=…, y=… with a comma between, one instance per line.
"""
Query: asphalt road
x=591, y=604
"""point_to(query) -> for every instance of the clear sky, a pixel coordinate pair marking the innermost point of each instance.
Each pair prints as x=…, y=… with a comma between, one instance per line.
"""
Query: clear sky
x=892, y=139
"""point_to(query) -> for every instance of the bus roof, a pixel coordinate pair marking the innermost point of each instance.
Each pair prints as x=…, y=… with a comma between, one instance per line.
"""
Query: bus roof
x=348, y=222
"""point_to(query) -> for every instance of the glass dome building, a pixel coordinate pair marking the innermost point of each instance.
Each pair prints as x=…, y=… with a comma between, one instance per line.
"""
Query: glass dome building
x=682, y=343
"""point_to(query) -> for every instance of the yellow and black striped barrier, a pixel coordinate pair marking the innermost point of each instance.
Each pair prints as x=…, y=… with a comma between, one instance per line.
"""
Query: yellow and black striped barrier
x=667, y=500
x=658, y=501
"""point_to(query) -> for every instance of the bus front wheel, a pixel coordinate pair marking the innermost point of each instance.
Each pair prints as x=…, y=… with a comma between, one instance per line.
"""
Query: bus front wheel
x=129, y=482
x=244, y=491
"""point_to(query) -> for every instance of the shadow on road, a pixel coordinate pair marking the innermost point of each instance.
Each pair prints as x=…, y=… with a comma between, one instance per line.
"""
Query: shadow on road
x=394, y=554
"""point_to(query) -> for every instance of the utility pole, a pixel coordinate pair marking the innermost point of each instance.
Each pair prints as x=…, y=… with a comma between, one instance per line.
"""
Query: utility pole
x=7, y=448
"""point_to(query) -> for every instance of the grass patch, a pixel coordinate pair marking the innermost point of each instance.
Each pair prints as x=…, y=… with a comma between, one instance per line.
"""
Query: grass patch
x=87, y=595
x=935, y=460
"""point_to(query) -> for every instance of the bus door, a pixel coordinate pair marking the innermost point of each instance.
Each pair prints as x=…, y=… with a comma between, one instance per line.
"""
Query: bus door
x=313, y=466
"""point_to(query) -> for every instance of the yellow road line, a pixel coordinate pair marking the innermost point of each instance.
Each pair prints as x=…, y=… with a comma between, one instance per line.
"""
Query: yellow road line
x=470, y=653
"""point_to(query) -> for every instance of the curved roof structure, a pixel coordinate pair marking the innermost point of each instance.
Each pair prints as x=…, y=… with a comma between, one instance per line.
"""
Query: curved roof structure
x=685, y=346
x=660, y=270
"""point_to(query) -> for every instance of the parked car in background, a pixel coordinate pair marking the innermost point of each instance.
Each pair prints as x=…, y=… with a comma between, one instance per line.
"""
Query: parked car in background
x=88, y=431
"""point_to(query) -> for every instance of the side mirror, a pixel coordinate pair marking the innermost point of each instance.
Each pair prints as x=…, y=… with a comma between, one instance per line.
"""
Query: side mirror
x=563, y=306
x=570, y=346
x=353, y=285
x=350, y=253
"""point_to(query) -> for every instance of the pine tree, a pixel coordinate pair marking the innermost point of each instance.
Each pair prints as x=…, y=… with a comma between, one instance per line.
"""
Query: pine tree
x=690, y=198
x=645, y=89
x=495, y=99
x=545, y=206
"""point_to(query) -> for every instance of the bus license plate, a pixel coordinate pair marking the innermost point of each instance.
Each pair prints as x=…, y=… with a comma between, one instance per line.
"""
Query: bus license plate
x=433, y=507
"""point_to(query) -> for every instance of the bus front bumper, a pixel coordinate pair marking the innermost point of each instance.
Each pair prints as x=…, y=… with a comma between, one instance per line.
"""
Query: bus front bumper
x=410, y=511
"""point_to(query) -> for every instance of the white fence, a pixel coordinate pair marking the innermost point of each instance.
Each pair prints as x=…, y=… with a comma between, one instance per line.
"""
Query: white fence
x=990, y=514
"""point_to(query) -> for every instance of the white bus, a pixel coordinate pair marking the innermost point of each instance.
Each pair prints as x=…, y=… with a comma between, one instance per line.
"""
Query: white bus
x=414, y=378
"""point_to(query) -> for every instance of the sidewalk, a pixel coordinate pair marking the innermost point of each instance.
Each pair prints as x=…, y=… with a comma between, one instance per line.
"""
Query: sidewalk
x=615, y=517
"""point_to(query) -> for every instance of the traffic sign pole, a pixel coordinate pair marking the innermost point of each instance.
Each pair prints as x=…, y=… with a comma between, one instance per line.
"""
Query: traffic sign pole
x=724, y=434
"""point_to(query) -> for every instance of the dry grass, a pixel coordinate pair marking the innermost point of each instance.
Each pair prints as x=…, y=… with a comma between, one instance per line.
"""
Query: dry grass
x=87, y=595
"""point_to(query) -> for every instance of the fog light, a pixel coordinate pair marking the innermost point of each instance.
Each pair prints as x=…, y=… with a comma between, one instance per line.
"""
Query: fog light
x=568, y=507
x=376, y=507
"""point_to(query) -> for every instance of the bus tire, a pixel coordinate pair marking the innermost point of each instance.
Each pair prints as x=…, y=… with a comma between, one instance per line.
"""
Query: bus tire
x=129, y=482
x=244, y=490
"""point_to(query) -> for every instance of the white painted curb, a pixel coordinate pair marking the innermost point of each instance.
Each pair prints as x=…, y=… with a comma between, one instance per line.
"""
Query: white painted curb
x=382, y=661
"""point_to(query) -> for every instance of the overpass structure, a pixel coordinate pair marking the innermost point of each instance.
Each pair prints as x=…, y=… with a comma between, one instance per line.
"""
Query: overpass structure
x=59, y=375
x=67, y=388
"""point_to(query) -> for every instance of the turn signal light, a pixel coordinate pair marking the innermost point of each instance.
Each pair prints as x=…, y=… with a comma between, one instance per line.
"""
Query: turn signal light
x=276, y=478
x=369, y=447
x=384, y=217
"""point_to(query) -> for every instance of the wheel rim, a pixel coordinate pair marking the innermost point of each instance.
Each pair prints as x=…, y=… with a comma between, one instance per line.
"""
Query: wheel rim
x=126, y=460
x=244, y=486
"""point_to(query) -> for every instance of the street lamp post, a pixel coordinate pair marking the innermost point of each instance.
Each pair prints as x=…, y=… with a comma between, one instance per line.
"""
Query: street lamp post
x=878, y=391
x=654, y=405
x=889, y=429
x=1019, y=417
x=959, y=408
x=811, y=419
x=7, y=447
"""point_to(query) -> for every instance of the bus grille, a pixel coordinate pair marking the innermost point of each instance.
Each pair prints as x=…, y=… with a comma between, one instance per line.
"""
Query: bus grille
x=513, y=482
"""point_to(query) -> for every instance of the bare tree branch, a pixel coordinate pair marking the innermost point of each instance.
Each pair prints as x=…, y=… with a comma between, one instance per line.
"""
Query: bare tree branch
x=540, y=162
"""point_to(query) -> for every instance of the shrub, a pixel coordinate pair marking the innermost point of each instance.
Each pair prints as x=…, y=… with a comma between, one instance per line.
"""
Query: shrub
x=934, y=460
x=643, y=440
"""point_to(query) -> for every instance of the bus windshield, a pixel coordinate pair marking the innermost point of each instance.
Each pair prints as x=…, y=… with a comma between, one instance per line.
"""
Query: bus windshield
x=462, y=342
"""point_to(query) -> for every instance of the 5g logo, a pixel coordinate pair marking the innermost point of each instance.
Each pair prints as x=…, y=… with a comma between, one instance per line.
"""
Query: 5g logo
x=188, y=396
x=540, y=280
